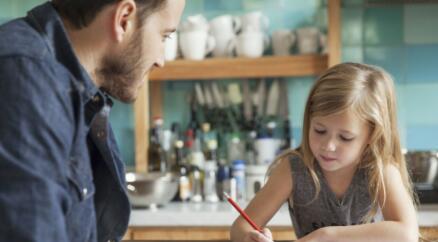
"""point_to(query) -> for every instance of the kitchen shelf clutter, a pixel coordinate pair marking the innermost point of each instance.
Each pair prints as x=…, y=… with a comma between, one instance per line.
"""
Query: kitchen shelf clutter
x=149, y=100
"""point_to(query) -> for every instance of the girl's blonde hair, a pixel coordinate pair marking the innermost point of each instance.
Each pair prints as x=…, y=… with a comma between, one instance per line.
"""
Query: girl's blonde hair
x=369, y=92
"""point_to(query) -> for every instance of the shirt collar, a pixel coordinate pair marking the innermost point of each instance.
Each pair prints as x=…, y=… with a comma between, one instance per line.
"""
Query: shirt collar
x=49, y=25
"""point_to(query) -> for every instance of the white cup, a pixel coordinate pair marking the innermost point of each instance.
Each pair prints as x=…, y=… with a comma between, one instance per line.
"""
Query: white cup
x=308, y=40
x=267, y=149
x=171, y=47
x=250, y=44
x=255, y=20
x=282, y=41
x=224, y=29
x=194, y=23
x=195, y=45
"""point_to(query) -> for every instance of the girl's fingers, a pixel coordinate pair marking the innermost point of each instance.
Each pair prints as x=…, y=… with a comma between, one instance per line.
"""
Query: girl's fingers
x=267, y=233
x=256, y=236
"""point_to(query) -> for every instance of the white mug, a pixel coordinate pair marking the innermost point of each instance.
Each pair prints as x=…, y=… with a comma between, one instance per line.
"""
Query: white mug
x=195, y=45
x=308, y=40
x=194, y=23
x=250, y=44
x=224, y=29
x=171, y=47
x=282, y=41
x=255, y=20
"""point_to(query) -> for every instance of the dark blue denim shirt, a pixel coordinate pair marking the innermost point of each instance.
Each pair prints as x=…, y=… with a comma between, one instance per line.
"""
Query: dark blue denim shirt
x=61, y=176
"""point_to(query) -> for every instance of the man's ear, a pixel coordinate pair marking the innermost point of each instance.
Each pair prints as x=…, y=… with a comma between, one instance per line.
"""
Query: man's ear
x=124, y=19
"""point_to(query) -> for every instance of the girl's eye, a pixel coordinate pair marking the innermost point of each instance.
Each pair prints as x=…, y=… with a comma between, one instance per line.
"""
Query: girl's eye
x=166, y=37
x=346, y=139
x=320, y=131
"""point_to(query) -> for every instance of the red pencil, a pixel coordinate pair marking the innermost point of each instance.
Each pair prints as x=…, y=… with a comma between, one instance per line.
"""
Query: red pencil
x=244, y=215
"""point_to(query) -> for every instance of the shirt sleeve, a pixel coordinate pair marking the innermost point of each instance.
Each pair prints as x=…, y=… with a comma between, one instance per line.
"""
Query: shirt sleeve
x=35, y=126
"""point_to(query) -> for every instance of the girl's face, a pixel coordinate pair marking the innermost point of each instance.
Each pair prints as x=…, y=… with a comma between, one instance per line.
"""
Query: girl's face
x=338, y=140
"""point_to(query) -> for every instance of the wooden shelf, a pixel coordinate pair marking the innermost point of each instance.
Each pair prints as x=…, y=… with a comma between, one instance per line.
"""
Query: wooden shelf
x=223, y=68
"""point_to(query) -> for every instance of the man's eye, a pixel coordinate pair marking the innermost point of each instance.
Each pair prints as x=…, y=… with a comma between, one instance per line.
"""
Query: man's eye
x=166, y=37
x=320, y=131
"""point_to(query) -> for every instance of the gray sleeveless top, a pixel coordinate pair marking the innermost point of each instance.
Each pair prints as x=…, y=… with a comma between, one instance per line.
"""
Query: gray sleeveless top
x=326, y=209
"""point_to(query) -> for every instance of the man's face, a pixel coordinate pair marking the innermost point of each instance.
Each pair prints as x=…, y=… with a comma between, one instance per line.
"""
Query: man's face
x=124, y=70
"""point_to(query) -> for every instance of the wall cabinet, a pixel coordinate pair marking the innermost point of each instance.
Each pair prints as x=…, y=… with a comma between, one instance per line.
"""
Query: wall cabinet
x=148, y=102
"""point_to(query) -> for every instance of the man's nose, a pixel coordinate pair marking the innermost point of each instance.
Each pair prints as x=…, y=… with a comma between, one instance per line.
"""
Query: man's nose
x=159, y=62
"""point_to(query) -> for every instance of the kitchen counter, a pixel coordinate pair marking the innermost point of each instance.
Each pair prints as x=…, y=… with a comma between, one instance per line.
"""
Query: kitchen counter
x=223, y=214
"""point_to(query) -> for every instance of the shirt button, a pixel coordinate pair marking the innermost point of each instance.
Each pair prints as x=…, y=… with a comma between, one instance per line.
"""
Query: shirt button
x=100, y=134
x=84, y=192
x=96, y=98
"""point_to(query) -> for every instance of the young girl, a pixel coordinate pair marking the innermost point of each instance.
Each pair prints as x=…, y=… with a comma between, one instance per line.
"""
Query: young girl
x=348, y=181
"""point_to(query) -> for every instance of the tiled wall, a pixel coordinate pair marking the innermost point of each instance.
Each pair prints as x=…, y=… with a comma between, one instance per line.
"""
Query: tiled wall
x=400, y=38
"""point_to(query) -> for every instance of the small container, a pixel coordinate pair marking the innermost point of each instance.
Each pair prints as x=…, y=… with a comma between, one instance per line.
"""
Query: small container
x=255, y=179
x=239, y=175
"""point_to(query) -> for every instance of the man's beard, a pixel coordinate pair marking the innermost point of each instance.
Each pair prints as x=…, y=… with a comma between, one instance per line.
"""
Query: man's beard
x=121, y=73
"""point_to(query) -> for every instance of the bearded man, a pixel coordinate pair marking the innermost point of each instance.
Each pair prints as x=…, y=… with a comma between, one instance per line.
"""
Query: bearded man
x=61, y=175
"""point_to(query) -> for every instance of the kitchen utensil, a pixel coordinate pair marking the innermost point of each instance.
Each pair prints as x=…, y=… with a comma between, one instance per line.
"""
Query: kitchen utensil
x=423, y=166
x=151, y=189
x=283, y=112
x=261, y=93
x=247, y=103
x=272, y=101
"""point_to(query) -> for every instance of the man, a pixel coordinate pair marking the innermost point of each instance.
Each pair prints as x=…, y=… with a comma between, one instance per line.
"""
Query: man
x=61, y=176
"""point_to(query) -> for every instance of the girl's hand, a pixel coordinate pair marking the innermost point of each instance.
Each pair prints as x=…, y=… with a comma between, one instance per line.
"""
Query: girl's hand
x=256, y=236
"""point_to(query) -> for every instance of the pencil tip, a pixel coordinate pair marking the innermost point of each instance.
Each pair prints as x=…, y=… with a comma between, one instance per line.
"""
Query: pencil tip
x=226, y=195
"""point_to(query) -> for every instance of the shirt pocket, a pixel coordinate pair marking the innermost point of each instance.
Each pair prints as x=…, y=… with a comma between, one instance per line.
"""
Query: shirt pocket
x=81, y=179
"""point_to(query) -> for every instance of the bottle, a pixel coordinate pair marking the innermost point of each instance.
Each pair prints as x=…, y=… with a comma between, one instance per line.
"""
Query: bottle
x=239, y=174
x=156, y=154
x=210, y=192
x=181, y=170
x=251, y=152
x=196, y=184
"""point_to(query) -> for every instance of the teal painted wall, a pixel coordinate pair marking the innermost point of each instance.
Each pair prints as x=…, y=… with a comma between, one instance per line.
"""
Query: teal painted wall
x=400, y=38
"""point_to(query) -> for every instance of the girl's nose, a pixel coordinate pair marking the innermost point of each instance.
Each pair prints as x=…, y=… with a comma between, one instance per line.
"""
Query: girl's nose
x=330, y=145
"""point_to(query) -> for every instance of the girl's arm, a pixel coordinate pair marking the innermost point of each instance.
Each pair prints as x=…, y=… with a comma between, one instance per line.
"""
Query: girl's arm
x=266, y=202
x=398, y=211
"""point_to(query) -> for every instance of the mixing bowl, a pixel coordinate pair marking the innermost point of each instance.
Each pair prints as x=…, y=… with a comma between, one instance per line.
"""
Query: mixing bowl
x=151, y=189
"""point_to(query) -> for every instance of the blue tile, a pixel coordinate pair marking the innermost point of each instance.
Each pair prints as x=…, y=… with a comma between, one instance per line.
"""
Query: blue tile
x=352, y=54
x=422, y=137
x=383, y=25
x=122, y=115
x=176, y=105
x=223, y=5
x=353, y=3
x=298, y=89
x=193, y=7
x=125, y=141
x=392, y=59
x=420, y=24
x=352, y=26
x=422, y=63
x=417, y=100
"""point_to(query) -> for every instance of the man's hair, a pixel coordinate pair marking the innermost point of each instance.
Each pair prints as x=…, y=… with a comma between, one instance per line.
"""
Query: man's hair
x=82, y=12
